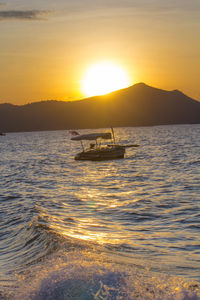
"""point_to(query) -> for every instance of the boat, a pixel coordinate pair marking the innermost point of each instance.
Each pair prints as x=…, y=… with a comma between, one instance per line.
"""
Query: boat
x=3, y=134
x=97, y=150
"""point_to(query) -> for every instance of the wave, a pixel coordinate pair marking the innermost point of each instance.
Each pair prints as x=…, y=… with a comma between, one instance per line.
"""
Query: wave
x=77, y=270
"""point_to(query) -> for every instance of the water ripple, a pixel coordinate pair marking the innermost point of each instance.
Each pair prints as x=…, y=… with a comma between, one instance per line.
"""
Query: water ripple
x=145, y=206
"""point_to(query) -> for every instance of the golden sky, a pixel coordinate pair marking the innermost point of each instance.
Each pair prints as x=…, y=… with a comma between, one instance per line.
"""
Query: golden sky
x=46, y=46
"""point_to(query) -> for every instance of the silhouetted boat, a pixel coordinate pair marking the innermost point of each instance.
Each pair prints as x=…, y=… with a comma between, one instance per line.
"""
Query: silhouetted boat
x=97, y=151
x=3, y=134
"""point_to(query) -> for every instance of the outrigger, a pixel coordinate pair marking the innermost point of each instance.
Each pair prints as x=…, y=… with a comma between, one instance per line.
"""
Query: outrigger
x=98, y=151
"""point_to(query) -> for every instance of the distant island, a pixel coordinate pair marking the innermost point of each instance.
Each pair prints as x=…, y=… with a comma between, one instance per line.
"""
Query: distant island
x=138, y=105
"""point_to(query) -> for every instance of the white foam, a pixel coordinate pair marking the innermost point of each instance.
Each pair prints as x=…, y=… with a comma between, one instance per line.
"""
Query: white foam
x=86, y=275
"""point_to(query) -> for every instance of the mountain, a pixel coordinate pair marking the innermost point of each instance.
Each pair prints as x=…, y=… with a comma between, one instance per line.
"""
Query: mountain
x=138, y=105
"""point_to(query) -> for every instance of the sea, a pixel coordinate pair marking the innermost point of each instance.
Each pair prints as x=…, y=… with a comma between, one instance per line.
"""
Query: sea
x=118, y=229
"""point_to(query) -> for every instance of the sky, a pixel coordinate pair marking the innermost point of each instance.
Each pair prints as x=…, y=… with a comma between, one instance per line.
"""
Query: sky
x=46, y=46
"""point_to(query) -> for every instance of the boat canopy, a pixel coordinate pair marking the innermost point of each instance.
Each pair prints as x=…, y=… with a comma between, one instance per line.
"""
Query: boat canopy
x=92, y=136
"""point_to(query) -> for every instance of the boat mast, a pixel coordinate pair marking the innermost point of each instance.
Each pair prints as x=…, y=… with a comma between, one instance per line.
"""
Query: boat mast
x=113, y=134
x=82, y=145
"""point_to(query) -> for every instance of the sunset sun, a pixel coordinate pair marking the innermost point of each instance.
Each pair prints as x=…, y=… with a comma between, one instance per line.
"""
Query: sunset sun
x=104, y=77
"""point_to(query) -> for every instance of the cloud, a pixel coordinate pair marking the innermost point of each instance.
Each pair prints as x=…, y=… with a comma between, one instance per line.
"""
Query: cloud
x=23, y=14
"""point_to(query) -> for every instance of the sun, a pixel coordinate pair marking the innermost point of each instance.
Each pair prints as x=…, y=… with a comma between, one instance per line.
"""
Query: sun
x=104, y=77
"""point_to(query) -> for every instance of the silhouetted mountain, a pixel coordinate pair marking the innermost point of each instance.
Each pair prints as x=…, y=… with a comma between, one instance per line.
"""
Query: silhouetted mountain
x=138, y=105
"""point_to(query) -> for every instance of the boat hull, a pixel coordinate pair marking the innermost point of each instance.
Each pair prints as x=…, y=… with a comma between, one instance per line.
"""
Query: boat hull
x=108, y=153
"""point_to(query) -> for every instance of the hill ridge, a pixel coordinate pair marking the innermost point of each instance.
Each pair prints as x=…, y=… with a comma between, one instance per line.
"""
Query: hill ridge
x=138, y=105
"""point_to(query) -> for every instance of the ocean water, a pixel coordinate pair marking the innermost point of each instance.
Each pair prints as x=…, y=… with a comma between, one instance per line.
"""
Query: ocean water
x=119, y=229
